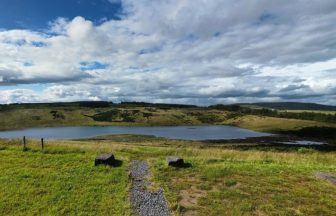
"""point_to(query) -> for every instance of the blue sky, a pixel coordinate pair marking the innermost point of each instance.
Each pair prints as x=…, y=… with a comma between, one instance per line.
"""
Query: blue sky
x=36, y=14
x=172, y=51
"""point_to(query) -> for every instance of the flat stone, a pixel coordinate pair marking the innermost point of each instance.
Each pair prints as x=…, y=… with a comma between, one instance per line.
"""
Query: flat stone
x=326, y=176
x=175, y=161
x=106, y=159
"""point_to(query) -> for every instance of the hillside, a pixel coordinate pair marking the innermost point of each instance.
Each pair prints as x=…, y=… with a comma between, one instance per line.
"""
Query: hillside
x=18, y=116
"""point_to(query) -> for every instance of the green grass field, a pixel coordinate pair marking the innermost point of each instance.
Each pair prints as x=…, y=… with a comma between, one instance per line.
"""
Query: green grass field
x=272, y=124
x=223, y=180
x=60, y=182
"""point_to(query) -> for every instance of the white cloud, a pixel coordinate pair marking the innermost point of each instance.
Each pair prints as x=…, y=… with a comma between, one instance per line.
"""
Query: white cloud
x=180, y=51
x=115, y=1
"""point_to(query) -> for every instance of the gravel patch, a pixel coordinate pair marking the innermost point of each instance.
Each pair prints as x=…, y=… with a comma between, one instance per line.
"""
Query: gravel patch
x=145, y=202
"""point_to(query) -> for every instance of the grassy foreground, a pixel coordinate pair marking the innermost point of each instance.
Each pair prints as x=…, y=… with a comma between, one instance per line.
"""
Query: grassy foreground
x=222, y=180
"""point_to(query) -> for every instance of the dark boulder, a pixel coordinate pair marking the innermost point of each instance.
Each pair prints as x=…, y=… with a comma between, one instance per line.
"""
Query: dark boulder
x=105, y=159
x=175, y=161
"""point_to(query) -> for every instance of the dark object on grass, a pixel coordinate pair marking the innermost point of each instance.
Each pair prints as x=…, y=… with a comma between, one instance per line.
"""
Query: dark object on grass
x=175, y=161
x=326, y=176
x=42, y=143
x=105, y=159
x=24, y=144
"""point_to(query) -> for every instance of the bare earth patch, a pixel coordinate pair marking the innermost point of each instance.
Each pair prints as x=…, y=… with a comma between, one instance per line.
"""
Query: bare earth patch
x=189, y=199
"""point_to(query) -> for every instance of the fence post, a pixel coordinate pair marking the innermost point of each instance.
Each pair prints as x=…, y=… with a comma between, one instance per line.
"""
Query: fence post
x=42, y=143
x=24, y=143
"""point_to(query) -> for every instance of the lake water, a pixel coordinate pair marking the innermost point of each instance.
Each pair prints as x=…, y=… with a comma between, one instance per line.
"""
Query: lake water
x=171, y=132
x=304, y=142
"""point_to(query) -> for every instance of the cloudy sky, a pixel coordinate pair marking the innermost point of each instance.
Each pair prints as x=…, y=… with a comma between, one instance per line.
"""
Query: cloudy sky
x=172, y=51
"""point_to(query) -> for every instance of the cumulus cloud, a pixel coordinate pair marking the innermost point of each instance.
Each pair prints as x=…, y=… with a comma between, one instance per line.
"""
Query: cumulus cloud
x=180, y=51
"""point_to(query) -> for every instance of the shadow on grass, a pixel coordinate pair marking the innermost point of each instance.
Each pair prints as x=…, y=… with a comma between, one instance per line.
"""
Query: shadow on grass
x=117, y=163
x=183, y=166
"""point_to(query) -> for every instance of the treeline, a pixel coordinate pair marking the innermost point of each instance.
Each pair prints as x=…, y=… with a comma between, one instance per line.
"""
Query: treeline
x=93, y=104
x=313, y=116
x=291, y=106
x=321, y=117
x=88, y=104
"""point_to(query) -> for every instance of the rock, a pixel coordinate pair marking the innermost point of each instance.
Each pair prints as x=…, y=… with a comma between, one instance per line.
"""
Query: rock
x=326, y=176
x=175, y=161
x=106, y=159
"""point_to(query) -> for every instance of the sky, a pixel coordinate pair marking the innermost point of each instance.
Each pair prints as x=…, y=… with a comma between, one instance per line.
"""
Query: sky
x=169, y=51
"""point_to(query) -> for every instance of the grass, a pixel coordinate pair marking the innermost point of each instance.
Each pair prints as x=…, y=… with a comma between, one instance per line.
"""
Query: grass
x=223, y=180
x=314, y=111
x=272, y=124
x=252, y=183
x=60, y=182
x=43, y=117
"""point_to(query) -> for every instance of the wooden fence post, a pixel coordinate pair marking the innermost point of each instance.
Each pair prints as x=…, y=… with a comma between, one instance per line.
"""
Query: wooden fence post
x=42, y=143
x=24, y=143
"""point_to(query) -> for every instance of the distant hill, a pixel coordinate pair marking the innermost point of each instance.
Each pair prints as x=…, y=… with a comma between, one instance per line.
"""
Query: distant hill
x=94, y=104
x=290, y=106
x=230, y=107
x=89, y=104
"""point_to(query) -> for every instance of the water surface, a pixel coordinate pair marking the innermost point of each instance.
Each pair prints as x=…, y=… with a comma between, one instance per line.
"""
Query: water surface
x=171, y=132
x=304, y=142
